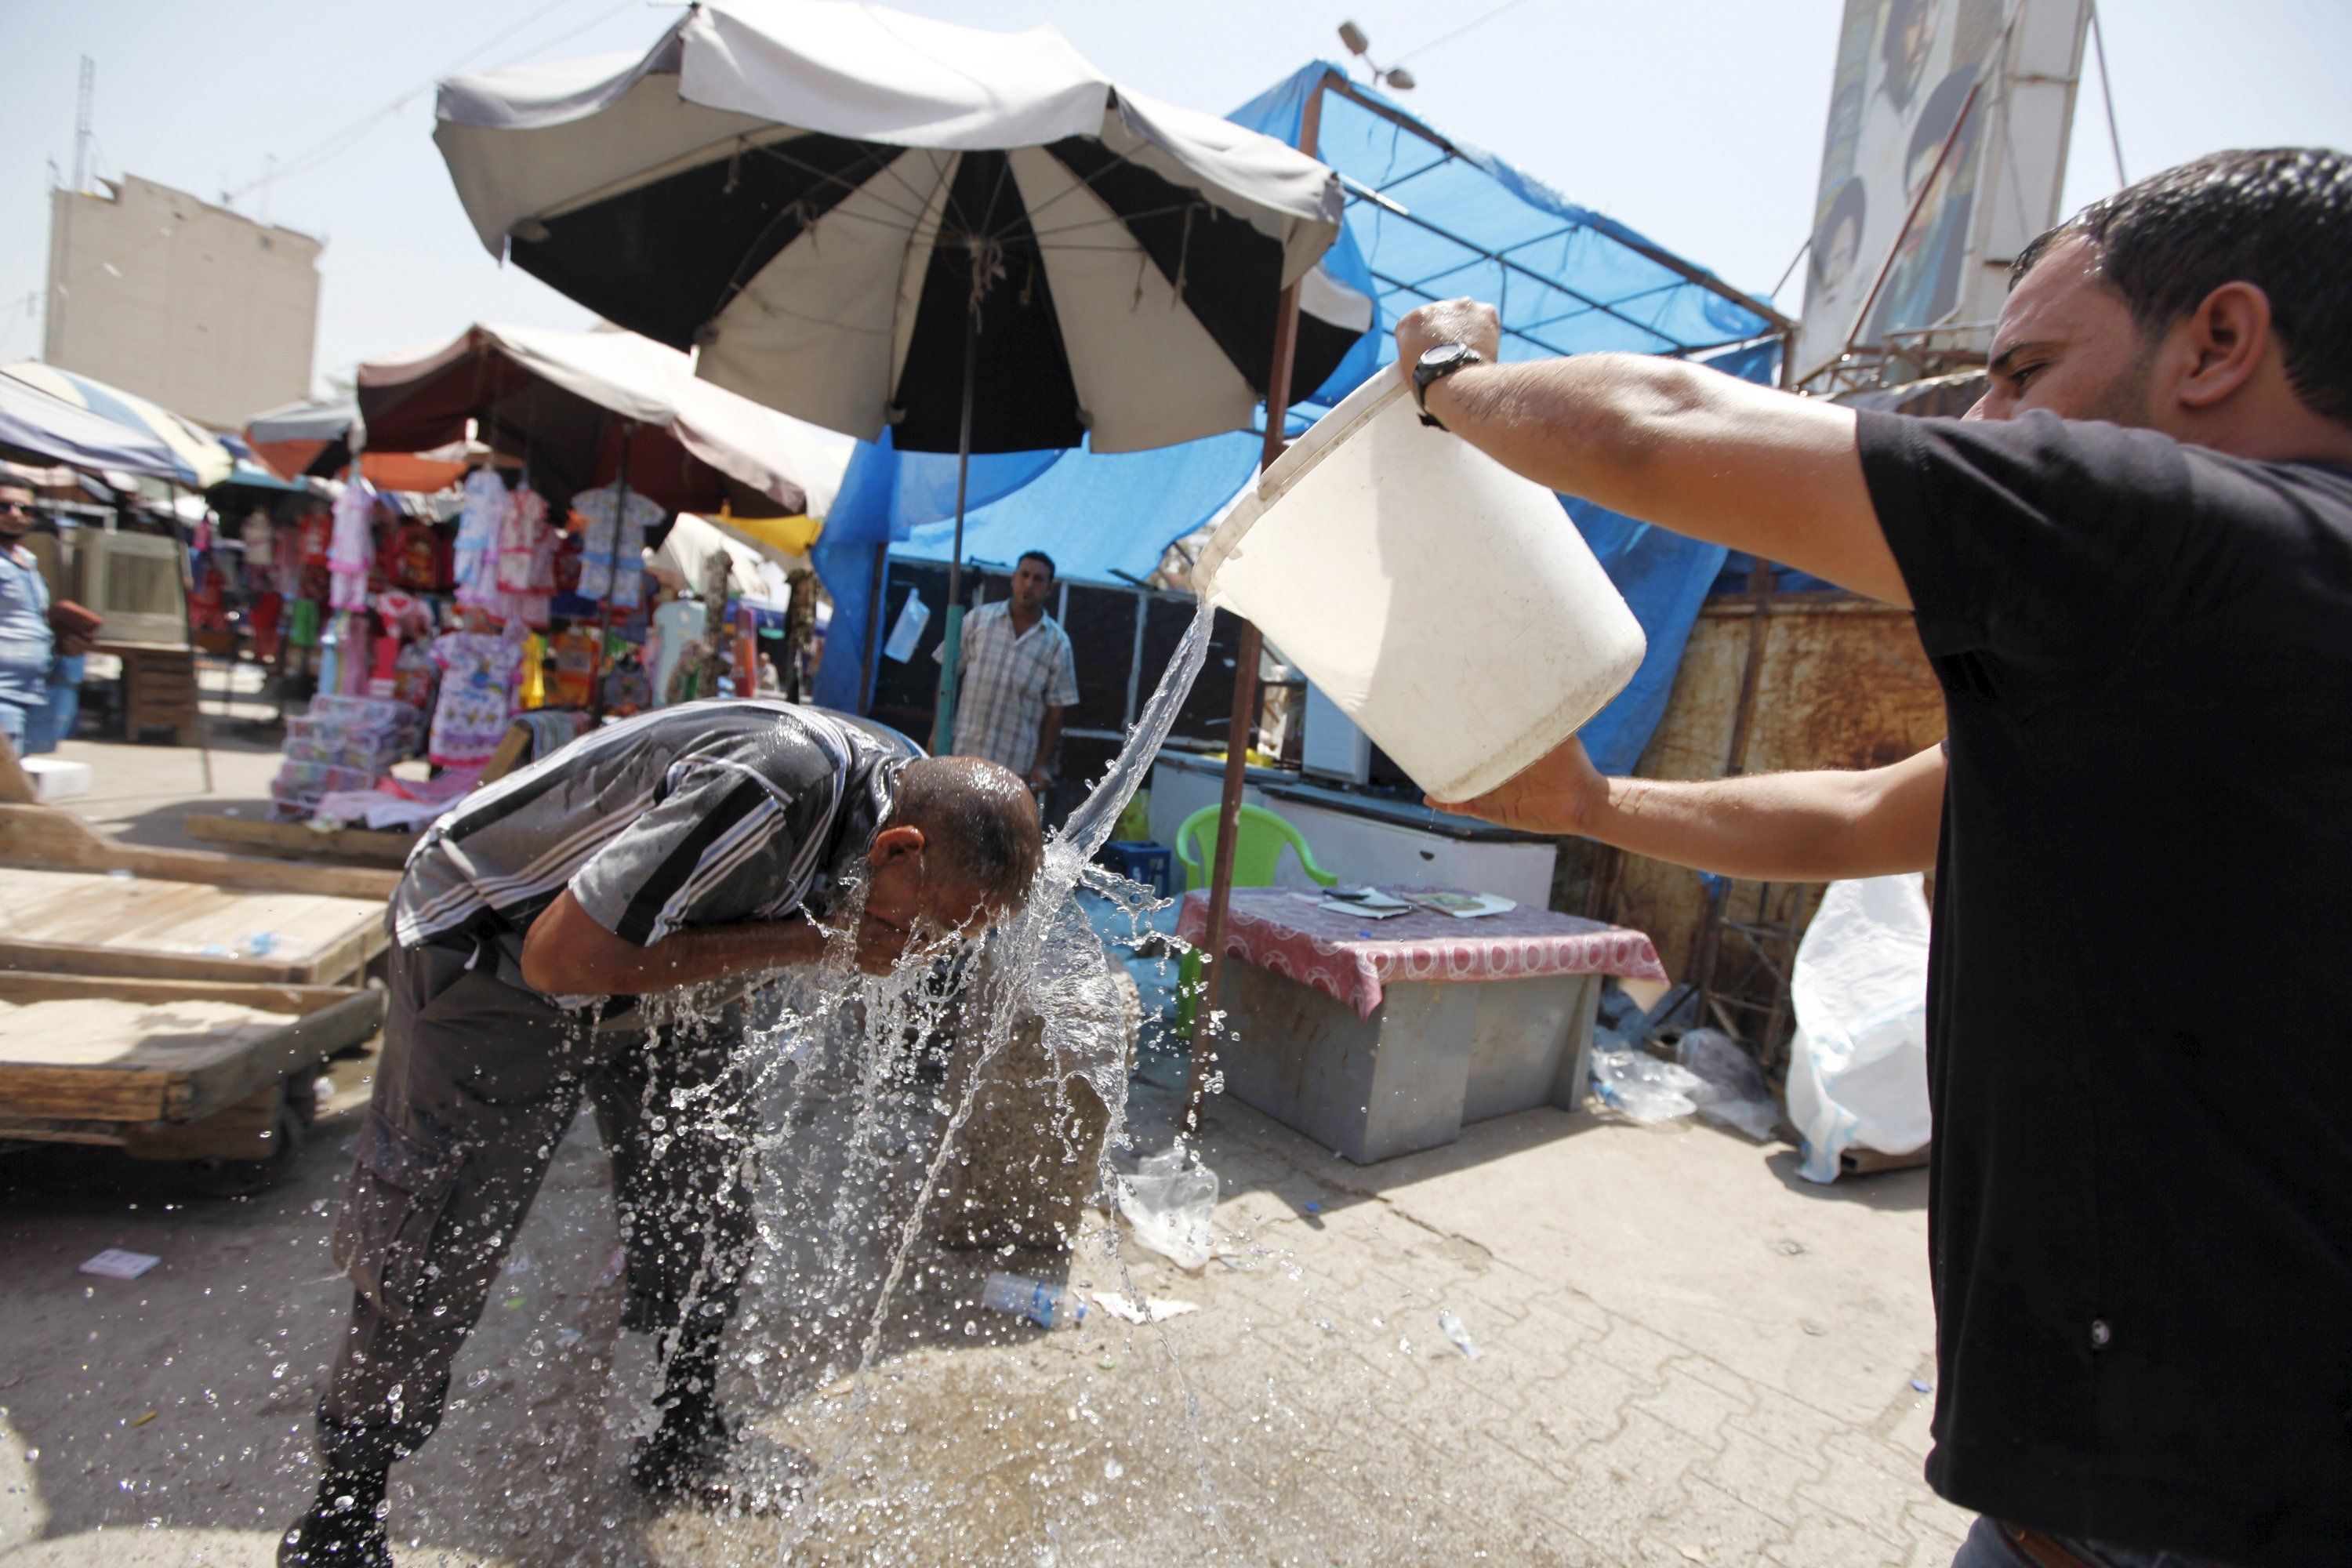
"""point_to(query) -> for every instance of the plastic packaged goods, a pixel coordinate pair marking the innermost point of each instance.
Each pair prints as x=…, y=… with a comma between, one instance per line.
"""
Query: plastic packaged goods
x=1640, y=1088
x=1442, y=602
x=1732, y=1091
x=1168, y=1207
x=1858, y=1065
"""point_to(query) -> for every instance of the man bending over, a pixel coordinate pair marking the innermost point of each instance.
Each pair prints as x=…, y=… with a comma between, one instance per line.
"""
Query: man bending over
x=693, y=844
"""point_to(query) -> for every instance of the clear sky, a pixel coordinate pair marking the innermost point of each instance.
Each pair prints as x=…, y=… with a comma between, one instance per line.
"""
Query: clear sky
x=1697, y=121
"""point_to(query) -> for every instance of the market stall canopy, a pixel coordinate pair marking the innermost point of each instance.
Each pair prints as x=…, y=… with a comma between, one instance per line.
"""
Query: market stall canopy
x=876, y=220
x=692, y=541
x=558, y=400
x=43, y=429
x=200, y=461
x=1437, y=218
x=307, y=437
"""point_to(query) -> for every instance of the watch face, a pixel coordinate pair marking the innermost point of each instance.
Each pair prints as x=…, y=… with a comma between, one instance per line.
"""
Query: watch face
x=1444, y=354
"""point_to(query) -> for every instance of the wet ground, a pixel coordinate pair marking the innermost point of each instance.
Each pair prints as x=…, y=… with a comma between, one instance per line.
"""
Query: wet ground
x=1683, y=1356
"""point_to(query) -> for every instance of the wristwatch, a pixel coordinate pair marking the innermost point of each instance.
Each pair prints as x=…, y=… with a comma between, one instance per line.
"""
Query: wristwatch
x=1434, y=365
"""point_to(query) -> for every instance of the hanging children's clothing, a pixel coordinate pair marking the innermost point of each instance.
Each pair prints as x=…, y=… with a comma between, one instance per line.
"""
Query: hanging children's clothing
x=477, y=678
x=256, y=535
x=611, y=568
x=474, y=563
x=351, y=551
x=526, y=558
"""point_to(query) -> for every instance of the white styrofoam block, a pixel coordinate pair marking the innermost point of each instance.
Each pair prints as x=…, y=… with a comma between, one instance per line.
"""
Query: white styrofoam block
x=54, y=778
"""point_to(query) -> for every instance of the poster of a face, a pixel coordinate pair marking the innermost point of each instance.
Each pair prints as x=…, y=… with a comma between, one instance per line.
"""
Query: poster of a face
x=1904, y=68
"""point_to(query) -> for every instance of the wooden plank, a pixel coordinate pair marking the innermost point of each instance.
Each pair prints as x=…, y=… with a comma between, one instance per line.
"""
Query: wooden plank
x=78, y=958
x=316, y=939
x=35, y=985
x=15, y=789
x=174, y=1077
x=296, y=841
x=238, y=1131
x=40, y=836
x=86, y=1094
x=304, y=1044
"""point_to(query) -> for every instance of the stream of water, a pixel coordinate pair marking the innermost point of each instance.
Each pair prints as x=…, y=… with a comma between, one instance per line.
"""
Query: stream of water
x=837, y=1054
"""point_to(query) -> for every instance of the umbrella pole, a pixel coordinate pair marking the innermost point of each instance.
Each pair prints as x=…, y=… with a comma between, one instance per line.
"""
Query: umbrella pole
x=1237, y=727
x=952, y=637
x=612, y=561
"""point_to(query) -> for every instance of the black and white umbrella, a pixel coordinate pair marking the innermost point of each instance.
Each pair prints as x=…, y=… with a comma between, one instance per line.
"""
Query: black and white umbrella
x=823, y=198
x=875, y=221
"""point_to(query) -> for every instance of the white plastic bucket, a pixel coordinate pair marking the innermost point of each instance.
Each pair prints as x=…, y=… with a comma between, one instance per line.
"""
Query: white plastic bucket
x=1449, y=606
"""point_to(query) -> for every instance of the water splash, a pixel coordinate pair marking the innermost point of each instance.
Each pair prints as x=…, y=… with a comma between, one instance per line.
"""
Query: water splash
x=865, y=1060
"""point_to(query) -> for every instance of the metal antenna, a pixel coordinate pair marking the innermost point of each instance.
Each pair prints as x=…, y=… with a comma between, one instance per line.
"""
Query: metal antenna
x=82, y=134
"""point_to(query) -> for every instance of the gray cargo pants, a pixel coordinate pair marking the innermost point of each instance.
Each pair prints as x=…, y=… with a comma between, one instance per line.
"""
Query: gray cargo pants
x=478, y=1082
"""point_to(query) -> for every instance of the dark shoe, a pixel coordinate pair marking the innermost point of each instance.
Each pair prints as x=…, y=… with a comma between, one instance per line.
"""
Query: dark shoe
x=344, y=1527
x=684, y=1457
x=699, y=1459
x=335, y=1538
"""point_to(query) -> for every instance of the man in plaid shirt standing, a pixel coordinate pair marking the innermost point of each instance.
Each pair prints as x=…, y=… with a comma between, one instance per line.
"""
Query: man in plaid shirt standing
x=1016, y=676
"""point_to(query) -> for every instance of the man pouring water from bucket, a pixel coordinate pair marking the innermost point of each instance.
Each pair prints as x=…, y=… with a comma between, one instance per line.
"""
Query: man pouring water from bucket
x=708, y=843
x=2131, y=567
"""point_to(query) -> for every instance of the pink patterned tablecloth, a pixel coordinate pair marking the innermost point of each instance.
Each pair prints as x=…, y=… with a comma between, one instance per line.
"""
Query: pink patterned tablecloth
x=1352, y=959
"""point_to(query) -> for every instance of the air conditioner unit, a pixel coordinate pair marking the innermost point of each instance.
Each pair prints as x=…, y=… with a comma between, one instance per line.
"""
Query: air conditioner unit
x=1331, y=746
x=133, y=579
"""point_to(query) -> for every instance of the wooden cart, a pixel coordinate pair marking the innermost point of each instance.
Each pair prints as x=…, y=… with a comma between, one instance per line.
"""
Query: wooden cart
x=85, y=917
x=230, y=1101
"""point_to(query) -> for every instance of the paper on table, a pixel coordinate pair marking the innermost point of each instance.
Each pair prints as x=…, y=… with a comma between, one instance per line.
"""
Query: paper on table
x=1368, y=912
x=1463, y=906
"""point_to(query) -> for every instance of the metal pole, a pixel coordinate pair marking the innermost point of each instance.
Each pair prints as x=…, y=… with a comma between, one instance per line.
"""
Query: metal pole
x=2107, y=91
x=951, y=633
x=1246, y=661
x=612, y=562
x=874, y=628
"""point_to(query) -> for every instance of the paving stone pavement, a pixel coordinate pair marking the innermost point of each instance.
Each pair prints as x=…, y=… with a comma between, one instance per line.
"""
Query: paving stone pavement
x=1684, y=1355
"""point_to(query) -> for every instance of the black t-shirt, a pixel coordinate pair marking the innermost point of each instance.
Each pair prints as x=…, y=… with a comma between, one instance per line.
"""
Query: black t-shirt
x=2140, y=995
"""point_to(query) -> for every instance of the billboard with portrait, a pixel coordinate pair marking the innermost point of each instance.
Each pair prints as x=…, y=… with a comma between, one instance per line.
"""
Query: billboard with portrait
x=1903, y=82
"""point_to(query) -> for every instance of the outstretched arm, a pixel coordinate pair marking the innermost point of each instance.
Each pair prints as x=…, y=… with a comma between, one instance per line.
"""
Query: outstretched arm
x=1770, y=827
x=1687, y=448
x=567, y=953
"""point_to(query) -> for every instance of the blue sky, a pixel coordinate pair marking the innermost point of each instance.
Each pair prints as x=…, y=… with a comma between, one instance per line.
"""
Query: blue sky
x=1698, y=122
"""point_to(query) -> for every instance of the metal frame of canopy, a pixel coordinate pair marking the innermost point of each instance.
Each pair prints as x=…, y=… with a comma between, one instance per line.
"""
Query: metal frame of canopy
x=1245, y=663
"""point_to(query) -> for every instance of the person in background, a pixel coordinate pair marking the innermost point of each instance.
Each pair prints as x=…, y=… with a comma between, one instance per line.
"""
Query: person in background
x=40, y=665
x=1015, y=677
x=2131, y=568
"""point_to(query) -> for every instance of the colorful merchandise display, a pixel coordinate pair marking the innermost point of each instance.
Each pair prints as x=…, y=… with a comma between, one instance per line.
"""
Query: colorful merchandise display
x=612, y=567
x=477, y=681
x=474, y=561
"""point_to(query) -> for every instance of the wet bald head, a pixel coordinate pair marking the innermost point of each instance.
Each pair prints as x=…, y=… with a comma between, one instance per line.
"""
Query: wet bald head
x=980, y=817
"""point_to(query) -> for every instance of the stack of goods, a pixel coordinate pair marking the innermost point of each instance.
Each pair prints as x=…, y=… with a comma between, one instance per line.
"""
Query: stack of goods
x=341, y=743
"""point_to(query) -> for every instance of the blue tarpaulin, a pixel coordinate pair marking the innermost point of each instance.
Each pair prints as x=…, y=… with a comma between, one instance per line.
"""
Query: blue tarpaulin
x=1428, y=218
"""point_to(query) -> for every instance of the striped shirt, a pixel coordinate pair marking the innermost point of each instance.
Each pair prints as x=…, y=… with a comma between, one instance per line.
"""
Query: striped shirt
x=1006, y=682
x=698, y=815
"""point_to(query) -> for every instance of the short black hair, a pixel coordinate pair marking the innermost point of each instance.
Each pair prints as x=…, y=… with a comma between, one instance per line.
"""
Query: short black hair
x=981, y=817
x=2277, y=217
x=1039, y=555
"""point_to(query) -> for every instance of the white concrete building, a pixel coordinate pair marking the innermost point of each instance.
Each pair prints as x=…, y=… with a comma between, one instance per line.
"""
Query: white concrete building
x=191, y=305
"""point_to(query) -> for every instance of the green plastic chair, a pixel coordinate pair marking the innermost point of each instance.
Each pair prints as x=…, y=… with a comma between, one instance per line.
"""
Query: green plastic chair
x=1258, y=853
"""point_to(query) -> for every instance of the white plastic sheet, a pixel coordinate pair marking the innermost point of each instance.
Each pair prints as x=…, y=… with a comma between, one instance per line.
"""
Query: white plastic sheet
x=1858, y=1066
